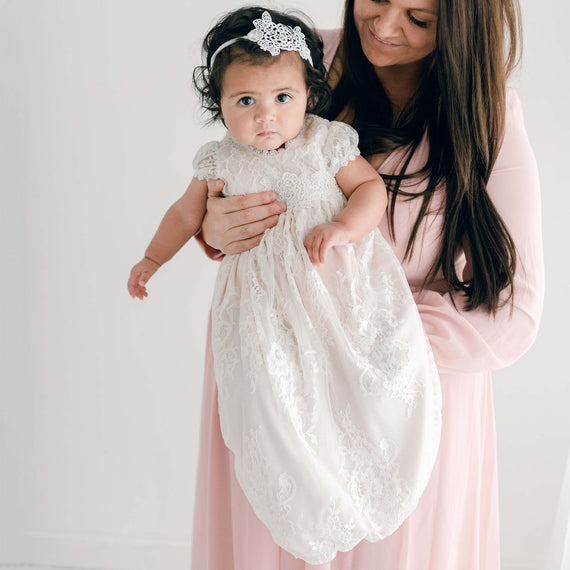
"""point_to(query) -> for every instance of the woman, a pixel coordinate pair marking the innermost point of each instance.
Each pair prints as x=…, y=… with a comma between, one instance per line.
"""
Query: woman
x=427, y=95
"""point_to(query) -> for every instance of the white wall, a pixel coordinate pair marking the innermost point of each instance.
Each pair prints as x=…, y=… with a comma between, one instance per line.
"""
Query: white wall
x=533, y=396
x=100, y=393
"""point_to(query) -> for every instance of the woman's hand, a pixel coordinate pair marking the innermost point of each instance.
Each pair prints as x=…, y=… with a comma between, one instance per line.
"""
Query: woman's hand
x=140, y=274
x=321, y=238
x=234, y=224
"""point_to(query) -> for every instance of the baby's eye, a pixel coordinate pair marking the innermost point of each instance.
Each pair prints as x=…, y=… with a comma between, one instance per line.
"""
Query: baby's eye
x=283, y=97
x=246, y=101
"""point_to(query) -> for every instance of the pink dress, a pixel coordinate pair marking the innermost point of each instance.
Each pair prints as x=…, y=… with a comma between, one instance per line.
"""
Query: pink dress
x=456, y=524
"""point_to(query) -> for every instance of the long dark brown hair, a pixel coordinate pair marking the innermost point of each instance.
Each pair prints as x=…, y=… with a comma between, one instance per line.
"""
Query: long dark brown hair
x=460, y=105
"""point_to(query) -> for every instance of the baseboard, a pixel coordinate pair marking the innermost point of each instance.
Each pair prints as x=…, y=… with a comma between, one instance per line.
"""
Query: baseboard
x=103, y=552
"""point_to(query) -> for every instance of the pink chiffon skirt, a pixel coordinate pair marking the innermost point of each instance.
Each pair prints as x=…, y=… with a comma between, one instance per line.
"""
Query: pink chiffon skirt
x=454, y=527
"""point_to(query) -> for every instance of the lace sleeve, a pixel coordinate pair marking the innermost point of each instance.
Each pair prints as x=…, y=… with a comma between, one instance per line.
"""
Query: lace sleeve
x=341, y=146
x=204, y=162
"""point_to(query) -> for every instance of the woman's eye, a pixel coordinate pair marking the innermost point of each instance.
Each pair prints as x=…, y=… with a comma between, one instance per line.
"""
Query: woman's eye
x=283, y=97
x=417, y=22
x=246, y=101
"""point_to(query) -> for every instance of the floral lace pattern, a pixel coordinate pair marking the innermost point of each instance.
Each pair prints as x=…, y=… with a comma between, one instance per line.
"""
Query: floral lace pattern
x=324, y=373
x=370, y=469
x=273, y=37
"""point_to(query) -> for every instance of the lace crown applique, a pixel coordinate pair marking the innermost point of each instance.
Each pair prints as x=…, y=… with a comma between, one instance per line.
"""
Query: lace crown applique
x=272, y=37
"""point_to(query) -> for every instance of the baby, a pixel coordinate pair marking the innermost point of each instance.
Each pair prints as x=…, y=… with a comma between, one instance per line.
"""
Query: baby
x=328, y=393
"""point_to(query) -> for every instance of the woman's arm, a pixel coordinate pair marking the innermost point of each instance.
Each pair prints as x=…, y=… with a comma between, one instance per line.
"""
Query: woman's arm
x=367, y=201
x=181, y=221
x=474, y=341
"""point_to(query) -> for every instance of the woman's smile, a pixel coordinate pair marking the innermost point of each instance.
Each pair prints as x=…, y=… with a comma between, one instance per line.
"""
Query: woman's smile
x=396, y=32
x=383, y=43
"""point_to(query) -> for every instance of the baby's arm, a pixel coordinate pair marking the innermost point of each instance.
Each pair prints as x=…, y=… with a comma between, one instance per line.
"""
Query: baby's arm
x=181, y=221
x=367, y=201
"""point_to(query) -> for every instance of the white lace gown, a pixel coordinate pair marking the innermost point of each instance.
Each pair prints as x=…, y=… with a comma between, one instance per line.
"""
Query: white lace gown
x=328, y=393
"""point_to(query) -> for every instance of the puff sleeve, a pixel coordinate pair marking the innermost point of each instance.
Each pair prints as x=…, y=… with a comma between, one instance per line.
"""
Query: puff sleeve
x=340, y=146
x=474, y=341
x=205, y=161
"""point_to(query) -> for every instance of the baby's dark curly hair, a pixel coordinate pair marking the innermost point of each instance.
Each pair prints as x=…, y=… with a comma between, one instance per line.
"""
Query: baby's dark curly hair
x=208, y=79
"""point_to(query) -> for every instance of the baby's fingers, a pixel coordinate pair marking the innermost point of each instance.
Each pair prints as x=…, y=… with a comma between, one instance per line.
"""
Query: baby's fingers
x=325, y=245
x=138, y=291
x=315, y=247
x=132, y=284
x=316, y=251
x=144, y=277
x=136, y=284
x=309, y=245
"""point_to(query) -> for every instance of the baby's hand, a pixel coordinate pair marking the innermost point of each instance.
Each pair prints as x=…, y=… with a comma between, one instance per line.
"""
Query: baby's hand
x=321, y=238
x=140, y=274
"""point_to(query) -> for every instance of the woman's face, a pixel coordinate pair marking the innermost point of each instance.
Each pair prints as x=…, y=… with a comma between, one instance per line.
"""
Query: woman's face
x=396, y=32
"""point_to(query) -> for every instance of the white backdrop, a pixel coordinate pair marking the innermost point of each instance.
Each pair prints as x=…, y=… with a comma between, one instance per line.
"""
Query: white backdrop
x=100, y=396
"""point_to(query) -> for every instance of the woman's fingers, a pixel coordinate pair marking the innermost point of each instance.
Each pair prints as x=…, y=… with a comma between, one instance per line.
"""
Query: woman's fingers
x=249, y=223
x=256, y=213
x=234, y=224
x=246, y=225
x=242, y=245
x=247, y=236
x=243, y=203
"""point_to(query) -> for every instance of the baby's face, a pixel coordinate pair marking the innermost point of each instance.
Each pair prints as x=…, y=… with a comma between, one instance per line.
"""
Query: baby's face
x=264, y=105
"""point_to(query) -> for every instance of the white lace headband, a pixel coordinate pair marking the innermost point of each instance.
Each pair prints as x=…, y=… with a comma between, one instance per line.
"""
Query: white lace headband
x=273, y=38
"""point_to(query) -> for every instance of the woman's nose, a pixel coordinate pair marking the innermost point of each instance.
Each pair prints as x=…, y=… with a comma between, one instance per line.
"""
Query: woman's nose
x=387, y=24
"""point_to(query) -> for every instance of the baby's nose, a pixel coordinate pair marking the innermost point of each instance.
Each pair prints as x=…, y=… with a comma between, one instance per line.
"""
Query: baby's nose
x=265, y=113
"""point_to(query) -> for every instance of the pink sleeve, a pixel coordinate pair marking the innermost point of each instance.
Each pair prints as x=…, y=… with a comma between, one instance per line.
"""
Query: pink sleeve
x=474, y=341
x=331, y=40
